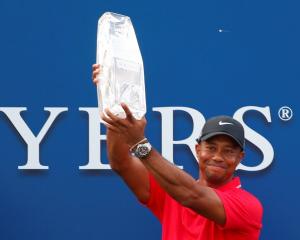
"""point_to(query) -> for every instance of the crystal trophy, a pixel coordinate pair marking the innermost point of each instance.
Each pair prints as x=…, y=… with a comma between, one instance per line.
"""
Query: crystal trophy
x=121, y=78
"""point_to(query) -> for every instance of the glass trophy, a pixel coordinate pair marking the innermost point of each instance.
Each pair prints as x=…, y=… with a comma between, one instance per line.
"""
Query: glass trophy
x=121, y=78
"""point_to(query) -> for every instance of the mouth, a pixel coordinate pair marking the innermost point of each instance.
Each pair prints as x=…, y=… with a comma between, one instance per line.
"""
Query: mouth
x=215, y=170
x=216, y=166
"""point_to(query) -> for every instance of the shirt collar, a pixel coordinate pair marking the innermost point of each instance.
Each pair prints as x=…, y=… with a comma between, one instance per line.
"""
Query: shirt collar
x=234, y=183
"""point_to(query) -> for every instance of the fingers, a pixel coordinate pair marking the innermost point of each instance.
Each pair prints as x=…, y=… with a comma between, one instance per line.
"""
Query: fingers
x=129, y=115
x=116, y=121
x=108, y=123
x=106, y=119
x=95, y=66
x=96, y=72
x=111, y=127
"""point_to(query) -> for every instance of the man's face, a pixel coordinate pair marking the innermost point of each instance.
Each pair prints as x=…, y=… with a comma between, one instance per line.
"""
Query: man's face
x=218, y=157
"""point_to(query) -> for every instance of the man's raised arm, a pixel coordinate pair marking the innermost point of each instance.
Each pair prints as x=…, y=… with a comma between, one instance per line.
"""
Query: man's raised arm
x=178, y=184
x=133, y=172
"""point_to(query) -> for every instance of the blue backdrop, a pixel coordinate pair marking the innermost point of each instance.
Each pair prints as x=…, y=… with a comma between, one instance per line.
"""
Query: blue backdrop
x=213, y=56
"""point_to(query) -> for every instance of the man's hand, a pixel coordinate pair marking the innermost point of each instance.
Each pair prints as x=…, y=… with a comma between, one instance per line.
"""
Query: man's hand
x=129, y=128
x=95, y=73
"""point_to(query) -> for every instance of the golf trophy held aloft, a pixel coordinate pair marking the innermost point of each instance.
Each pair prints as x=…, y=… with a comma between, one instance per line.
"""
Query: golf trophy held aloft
x=121, y=78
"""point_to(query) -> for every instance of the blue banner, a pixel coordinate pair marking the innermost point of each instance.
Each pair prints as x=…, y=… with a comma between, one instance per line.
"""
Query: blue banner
x=201, y=59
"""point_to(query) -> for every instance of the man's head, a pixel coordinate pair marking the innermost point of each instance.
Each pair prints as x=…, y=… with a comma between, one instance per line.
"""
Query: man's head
x=220, y=149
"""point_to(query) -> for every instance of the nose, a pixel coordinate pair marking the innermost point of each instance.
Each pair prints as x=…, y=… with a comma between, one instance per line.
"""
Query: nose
x=218, y=157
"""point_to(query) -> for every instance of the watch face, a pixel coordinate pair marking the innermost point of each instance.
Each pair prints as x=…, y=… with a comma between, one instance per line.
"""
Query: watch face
x=143, y=150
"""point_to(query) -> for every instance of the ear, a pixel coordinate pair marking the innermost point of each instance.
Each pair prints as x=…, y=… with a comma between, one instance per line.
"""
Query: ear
x=241, y=156
x=198, y=150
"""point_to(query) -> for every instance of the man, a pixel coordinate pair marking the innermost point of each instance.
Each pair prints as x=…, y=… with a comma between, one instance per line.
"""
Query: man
x=213, y=208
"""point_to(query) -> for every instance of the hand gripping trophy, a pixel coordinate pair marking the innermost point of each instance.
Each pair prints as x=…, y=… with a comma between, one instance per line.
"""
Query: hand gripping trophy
x=121, y=79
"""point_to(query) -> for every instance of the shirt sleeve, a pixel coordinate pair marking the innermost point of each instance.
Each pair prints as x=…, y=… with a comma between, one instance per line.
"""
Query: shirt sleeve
x=156, y=200
x=242, y=209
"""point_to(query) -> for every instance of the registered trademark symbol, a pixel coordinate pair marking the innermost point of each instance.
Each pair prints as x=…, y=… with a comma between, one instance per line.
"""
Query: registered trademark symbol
x=285, y=113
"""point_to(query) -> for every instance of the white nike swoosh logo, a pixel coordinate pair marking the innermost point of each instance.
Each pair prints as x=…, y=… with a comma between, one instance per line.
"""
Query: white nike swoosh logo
x=225, y=123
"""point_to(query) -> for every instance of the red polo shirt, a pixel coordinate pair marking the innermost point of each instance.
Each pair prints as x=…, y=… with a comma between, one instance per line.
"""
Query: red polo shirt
x=243, y=215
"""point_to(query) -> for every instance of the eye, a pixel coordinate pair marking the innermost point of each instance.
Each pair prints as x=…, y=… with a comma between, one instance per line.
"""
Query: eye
x=211, y=148
x=229, y=151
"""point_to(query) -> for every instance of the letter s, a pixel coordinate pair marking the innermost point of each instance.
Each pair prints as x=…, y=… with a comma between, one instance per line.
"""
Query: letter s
x=259, y=141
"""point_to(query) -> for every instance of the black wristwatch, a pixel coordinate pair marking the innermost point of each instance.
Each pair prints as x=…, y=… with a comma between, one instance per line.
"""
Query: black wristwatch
x=142, y=150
